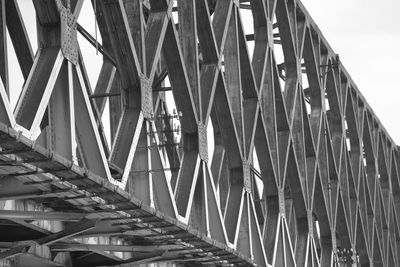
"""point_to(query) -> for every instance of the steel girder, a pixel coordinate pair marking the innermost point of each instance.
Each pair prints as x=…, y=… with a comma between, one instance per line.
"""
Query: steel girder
x=302, y=173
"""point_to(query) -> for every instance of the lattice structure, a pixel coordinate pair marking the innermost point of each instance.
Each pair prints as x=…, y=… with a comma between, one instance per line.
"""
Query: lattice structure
x=301, y=172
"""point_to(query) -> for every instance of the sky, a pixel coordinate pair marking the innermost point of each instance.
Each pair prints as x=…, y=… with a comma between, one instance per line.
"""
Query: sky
x=366, y=35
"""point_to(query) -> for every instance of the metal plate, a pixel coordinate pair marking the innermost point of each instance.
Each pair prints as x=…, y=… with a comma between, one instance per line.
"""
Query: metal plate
x=203, y=145
x=270, y=34
x=282, y=207
x=246, y=176
x=147, y=97
x=69, y=42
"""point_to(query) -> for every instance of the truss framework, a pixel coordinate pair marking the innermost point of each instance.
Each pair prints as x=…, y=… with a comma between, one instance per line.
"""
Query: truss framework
x=329, y=170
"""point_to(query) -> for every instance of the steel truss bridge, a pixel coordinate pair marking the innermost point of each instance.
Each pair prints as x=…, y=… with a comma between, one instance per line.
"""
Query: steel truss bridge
x=301, y=171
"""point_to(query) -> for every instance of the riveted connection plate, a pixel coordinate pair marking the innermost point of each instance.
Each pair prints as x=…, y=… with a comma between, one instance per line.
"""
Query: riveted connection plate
x=203, y=145
x=147, y=97
x=69, y=42
x=246, y=176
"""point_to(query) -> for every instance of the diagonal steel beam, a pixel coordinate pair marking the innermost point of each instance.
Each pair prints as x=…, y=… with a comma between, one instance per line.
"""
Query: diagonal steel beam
x=69, y=231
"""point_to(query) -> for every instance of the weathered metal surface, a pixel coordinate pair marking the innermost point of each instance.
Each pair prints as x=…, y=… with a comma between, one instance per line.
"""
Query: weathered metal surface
x=69, y=42
x=301, y=173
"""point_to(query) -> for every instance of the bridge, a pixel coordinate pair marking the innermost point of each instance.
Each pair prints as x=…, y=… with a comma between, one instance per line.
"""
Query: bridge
x=222, y=133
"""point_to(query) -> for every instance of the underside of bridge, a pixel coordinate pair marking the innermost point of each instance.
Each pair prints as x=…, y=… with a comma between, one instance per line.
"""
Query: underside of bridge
x=217, y=132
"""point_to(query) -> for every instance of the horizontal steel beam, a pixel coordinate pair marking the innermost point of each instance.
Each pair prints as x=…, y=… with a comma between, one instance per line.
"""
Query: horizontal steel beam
x=113, y=248
x=41, y=215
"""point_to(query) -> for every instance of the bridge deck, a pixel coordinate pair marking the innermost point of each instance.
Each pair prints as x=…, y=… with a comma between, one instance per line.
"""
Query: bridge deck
x=76, y=195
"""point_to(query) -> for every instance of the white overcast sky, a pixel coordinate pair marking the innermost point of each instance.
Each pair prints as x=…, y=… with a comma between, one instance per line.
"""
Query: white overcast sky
x=366, y=35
